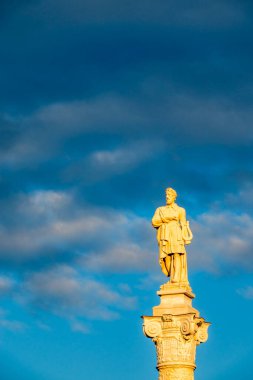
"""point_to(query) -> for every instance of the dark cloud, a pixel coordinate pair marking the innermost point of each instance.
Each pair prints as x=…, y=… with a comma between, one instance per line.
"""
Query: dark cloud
x=103, y=106
x=9, y=8
x=203, y=145
x=49, y=61
x=213, y=13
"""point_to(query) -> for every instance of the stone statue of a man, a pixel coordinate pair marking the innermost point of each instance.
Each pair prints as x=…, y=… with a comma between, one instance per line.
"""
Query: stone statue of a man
x=173, y=233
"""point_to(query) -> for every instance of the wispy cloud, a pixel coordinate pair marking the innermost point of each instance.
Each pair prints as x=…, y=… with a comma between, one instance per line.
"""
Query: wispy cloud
x=246, y=292
x=12, y=325
x=6, y=285
x=65, y=292
x=122, y=159
x=218, y=13
x=122, y=257
x=173, y=118
x=50, y=223
x=8, y=323
x=223, y=241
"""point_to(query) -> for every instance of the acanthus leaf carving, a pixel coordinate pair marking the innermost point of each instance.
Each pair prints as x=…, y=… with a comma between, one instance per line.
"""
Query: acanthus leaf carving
x=201, y=334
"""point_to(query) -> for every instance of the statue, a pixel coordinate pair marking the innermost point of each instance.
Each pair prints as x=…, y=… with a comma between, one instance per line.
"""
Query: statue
x=173, y=233
x=175, y=326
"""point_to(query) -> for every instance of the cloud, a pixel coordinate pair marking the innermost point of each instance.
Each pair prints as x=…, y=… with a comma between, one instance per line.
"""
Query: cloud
x=7, y=8
x=63, y=291
x=123, y=257
x=210, y=120
x=6, y=322
x=12, y=325
x=242, y=199
x=80, y=327
x=83, y=116
x=223, y=242
x=102, y=241
x=96, y=113
x=218, y=13
x=46, y=223
x=172, y=119
x=102, y=165
x=44, y=132
x=176, y=113
x=124, y=158
x=6, y=285
x=46, y=220
x=246, y=292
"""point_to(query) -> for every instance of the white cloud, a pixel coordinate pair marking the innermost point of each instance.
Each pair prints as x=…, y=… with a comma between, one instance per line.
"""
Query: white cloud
x=50, y=223
x=110, y=162
x=121, y=257
x=222, y=240
x=63, y=291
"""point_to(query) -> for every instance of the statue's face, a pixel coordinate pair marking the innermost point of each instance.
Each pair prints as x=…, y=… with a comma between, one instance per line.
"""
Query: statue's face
x=170, y=198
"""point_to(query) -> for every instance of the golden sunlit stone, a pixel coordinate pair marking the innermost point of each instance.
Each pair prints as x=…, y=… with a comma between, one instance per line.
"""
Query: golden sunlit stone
x=175, y=326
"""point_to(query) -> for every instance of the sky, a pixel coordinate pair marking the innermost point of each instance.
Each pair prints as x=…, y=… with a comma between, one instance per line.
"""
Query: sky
x=103, y=105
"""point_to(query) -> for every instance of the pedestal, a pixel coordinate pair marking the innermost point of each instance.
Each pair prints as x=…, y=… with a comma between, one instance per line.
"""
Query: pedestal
x=176, y=329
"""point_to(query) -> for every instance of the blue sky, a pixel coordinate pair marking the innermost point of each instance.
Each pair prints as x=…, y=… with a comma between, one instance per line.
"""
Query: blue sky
x=103, y=105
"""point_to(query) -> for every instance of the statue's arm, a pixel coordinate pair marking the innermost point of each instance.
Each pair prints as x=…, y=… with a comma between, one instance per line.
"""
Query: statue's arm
x=157, y=220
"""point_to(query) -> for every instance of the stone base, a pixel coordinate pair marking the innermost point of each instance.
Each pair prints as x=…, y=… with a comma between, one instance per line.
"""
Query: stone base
x=175, y=299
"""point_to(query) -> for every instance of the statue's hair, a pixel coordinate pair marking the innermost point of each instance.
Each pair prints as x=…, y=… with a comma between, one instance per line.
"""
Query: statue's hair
x=170, y=190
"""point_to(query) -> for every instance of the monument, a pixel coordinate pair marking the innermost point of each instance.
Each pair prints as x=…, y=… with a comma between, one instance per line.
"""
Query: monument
x=175, y=327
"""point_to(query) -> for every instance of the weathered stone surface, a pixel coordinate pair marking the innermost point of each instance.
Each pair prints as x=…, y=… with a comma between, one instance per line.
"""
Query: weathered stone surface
x=176, y=329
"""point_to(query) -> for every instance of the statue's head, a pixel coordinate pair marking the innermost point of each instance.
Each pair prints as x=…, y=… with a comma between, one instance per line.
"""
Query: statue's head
x=171, y=195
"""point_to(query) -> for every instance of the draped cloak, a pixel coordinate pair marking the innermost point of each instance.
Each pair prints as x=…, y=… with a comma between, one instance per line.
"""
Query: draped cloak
x=169, y=221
